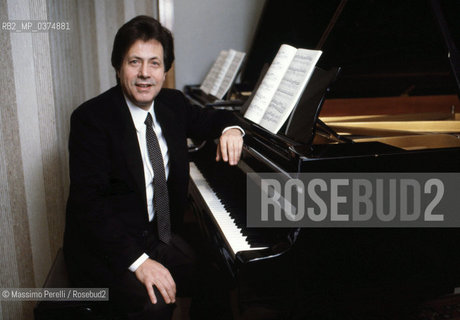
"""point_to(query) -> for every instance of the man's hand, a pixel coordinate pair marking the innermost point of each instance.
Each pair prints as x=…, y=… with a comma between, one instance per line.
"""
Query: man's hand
x=230, y=146
x=152, y=273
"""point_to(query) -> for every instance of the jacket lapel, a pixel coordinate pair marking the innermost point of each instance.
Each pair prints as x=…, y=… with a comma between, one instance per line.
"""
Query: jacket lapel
x=133, y=157
x=130, y=145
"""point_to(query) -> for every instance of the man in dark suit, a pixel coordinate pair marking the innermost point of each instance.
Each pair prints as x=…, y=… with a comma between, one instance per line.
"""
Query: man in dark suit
x=122, y=220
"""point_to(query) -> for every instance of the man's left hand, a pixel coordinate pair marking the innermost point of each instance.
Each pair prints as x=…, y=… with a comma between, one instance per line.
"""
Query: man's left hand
x=230, y=146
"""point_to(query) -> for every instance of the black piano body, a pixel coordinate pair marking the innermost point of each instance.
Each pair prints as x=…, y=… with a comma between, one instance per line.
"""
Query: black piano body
x=341, y=273
x=394, y=268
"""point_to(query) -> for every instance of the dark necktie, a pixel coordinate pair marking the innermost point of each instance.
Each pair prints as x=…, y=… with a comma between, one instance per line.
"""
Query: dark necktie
x=160, y=188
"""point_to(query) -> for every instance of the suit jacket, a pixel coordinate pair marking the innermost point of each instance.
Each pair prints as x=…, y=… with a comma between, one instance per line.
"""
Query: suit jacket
x=107, y=210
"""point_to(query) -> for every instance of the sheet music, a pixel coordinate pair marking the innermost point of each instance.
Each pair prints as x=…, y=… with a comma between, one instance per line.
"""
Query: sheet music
x=221, y=73
x=290, y=89
x=270, y=83
x=211, y=77
x=231, y=73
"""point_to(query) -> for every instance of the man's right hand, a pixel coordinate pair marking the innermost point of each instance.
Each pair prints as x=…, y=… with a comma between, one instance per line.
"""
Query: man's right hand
x=152, y=273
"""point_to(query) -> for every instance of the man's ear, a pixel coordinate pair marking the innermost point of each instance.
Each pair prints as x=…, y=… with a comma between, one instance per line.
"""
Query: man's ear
x=117, y=76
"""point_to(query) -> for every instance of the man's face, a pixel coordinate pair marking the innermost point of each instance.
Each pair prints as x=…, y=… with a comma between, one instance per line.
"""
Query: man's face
x=142, y=72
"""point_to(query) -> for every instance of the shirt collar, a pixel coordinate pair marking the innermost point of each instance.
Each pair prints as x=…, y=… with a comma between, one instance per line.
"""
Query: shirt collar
x=139, y=115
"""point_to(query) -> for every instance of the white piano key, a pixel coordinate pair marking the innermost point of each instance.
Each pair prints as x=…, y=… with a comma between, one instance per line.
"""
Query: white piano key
x=231, y=232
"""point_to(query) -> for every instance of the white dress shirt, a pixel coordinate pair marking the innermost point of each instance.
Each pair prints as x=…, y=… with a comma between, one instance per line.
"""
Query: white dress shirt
x=139, y=115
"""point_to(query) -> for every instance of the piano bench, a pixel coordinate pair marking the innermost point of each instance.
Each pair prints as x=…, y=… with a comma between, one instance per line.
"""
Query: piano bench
x=54, y=310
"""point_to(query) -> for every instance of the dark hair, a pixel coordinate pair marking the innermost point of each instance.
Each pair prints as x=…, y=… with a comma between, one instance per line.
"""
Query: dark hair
x=143, y=28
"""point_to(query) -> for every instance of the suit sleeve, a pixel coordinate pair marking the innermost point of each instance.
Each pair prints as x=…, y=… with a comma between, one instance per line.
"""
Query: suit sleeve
x=91, y=199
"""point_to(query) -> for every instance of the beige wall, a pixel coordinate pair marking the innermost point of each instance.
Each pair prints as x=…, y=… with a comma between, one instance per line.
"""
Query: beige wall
x=43, y=78
x=202, y=28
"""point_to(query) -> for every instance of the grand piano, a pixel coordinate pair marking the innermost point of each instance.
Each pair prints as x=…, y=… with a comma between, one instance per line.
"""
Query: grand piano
x=391, y=108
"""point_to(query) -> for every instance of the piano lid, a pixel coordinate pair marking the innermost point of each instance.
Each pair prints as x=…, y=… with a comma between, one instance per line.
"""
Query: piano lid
x=385, y=48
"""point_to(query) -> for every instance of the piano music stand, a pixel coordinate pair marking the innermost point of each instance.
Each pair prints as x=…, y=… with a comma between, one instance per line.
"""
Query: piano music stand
x=302, y=123
x=300, y=128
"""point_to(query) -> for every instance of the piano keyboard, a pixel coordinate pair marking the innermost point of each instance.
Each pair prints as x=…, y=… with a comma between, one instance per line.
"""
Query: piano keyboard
x=232, y=233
